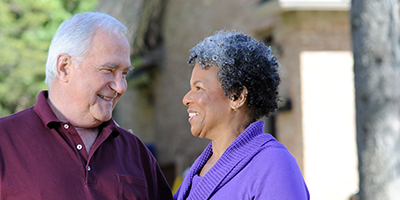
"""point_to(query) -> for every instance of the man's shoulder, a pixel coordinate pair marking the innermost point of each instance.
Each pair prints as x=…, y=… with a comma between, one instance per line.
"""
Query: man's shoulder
x=127, y=133
x=128, y=140
x=20, y=122
x=18, y=117
x=128, y=136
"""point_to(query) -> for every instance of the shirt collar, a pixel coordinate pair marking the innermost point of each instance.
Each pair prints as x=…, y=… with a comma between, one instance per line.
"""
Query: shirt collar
x=111, y=126
x=50, y=120
x=44, y=111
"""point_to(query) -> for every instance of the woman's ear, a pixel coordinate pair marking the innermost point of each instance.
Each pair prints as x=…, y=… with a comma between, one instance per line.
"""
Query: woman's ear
x=236, y=104
x=64, y=63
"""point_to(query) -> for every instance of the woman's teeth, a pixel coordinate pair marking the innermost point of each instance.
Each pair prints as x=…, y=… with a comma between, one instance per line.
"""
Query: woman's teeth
x=193, y=114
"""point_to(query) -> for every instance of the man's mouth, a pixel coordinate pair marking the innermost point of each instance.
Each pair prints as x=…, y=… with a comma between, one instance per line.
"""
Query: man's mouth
x=106, y=98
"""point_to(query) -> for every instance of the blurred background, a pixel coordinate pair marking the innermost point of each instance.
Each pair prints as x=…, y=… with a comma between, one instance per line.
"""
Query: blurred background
x=312, y=40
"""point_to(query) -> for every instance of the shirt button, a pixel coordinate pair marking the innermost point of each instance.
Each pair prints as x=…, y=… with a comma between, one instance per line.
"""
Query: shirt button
x=66, y=126
x=79, y=146
x=88, y=168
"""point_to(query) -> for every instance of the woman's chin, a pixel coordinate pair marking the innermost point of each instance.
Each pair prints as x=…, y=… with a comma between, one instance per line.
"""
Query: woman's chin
x=196, y=134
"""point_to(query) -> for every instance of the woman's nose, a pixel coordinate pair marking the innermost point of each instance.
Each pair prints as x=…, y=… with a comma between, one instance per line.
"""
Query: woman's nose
x=186, y=99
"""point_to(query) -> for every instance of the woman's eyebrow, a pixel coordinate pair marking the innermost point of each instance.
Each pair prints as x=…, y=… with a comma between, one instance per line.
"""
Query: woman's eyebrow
x=195, y=82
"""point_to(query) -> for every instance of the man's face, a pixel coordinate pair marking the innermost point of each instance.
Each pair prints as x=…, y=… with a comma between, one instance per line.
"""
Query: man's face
x=99, y=80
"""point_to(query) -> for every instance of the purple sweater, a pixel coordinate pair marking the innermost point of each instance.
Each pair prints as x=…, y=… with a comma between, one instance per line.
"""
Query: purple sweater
x=254, y=166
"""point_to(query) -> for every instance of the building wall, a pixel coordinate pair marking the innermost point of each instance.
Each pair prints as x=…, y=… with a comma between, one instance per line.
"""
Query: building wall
x=163, y=121
x=186, y=23
x=317, y=76
x=295, y=32
x=329, y=138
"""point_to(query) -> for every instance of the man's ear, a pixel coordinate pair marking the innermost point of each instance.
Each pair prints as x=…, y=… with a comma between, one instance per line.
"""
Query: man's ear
x=236, y=104
x=64, y=64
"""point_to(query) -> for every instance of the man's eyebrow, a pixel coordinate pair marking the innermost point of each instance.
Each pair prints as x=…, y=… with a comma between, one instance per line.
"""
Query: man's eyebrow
x=130, y=68
x=113, y=65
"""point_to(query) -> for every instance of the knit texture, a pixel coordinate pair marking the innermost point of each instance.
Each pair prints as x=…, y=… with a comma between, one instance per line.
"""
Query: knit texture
x=233, y=161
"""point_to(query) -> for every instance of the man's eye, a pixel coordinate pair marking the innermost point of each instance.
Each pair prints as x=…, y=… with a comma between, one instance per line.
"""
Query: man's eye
x=107, y=70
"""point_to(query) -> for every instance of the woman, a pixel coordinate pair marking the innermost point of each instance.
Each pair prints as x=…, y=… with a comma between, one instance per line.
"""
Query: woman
x=234, y=83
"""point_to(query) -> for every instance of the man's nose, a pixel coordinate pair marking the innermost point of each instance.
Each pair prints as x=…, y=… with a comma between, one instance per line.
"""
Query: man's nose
x=119, y=84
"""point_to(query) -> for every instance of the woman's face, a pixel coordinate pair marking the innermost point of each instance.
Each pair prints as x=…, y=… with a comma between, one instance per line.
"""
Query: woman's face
x=208, y=107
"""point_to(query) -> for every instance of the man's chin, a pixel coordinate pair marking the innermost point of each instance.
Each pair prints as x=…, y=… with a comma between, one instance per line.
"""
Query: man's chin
x=99, y=119
x=104, y=118
x=103, y=115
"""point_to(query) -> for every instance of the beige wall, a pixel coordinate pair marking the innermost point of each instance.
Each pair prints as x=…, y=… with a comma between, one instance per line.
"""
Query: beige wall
x=299, y=31
x=335, y=175
x=186, y=22
x=329, y=132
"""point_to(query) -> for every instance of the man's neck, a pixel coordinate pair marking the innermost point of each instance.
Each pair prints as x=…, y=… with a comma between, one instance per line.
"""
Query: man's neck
x=58, y=114
x=88, y=136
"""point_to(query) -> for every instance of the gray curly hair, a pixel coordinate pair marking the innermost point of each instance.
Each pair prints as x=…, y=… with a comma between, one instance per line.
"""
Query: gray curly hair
x=242, y=61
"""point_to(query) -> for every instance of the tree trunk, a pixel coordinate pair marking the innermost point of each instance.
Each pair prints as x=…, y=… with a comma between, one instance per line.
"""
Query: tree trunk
x=127, y=11
x=142, y=17
x=376, y=48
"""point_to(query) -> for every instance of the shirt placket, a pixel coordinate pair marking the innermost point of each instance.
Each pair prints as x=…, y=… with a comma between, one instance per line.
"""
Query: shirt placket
x=80, y=151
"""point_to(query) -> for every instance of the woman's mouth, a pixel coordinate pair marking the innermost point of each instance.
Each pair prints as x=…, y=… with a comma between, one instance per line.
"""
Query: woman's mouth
x=192, y=115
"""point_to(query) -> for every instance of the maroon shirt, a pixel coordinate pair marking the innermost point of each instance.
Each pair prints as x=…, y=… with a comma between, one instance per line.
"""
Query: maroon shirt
x=44, y=158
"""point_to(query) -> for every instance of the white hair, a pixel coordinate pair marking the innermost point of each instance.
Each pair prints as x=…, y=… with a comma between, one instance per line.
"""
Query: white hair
x=74, y=36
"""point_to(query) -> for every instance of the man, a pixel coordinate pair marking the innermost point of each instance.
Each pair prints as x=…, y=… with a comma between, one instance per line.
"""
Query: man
x=67, y=146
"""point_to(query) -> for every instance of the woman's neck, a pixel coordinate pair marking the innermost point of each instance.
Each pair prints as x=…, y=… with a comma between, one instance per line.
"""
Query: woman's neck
x=220, y=144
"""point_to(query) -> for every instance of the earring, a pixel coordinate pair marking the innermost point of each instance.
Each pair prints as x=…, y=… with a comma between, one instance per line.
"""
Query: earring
x=234, y=110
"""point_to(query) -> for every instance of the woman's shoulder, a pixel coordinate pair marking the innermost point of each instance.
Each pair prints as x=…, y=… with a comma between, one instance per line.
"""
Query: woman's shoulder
x=268, y=168
x=267, y=141
x=277, y=169
x=273, y=153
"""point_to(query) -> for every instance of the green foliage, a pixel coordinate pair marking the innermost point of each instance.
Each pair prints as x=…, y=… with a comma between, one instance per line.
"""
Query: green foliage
x=26, y=29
